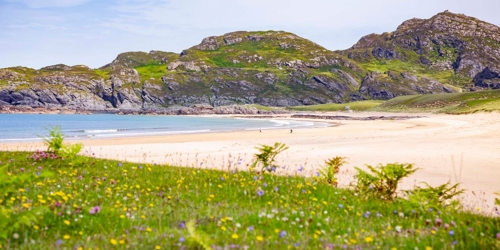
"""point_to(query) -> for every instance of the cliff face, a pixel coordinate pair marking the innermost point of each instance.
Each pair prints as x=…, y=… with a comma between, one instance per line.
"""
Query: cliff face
x=441, y=54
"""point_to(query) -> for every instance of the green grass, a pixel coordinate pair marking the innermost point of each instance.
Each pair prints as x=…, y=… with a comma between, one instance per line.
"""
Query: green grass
x=262, y=107
x=102, y=73
x=357, y=106
x=143, y=206
x=155, y=71
x=454, y=103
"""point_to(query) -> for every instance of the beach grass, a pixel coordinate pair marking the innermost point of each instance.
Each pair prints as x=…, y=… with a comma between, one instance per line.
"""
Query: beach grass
x=356, y=106
x=90, y=203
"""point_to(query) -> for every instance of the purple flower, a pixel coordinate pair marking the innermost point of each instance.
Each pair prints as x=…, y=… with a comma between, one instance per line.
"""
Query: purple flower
x=182, y=224
x=181, y=239
x=120, y=164
x=366, y=215
x=265, y=184
x=378, y=215
x=222, y=178
x=140, y=166
x=318, y=173
x=276, y=189
x=301, y=168
x=95, y=210
x=470, y=229
x=296, y=244
x=260, y=192
x=498, y=236
x=255, y=178
x=250, y=228
x=341, y=206
x=59, y=242
x=451, y=233
x=273, y=169
x=282, y=234
x=40, y=168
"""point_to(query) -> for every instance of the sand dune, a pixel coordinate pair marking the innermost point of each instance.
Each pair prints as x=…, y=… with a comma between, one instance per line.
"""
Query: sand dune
x=463, y=149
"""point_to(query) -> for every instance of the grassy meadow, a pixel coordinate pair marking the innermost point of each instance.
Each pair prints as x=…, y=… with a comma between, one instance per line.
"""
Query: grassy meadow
x=54, y=200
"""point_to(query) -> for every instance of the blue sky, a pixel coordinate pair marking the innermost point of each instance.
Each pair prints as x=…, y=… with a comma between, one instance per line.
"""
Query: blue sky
x=38, y=33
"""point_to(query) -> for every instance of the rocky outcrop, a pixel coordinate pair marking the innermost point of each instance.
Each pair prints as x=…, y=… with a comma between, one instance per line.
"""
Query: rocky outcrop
x=392, y=84
x=487, y=79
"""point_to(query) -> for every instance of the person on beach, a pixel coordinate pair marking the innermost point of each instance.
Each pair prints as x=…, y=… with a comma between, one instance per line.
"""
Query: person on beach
x=291, y=131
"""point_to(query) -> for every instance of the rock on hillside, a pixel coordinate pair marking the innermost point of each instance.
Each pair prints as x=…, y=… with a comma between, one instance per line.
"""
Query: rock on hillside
x=454, y=48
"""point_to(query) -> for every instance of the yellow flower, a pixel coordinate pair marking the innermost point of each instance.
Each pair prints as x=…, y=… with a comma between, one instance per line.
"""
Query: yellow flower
x=36, y=227
x=428, y=248
x=157, y=247
x=67, y=222
x=234, y=236
x=66, y=237
x=259, y=238
x=149, y=229
x=113, y=241
x=223, y=228
x=122, y=242
x=368, y=239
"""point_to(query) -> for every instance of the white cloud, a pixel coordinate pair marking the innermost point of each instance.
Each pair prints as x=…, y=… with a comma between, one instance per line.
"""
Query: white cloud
x=49, y=3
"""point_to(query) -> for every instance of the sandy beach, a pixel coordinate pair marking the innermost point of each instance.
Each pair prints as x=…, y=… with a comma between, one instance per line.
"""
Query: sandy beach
x=446, y=148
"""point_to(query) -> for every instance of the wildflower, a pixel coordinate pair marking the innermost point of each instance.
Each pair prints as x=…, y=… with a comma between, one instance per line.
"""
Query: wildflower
x=113, y=241
x=378, y=215
x=260, y=192
x=498, y=236
x=301, y=168
x=157, y=247
x=234, y=236
x=276, y=189
x=318, y=174
x=260, y=238
x=341, y=206
x=282, y=234
x=95, y=210
x=181, y=239
x=58, y=242
x=265, y=184
x=428, y=248
x=427, y=222
x=66, y=237
x=67, y=222
x=15, y=236
x=398, y=229
x=470, y=229
x=182, y=224
x=366, y=215
x=368, y=239
x=120, y=164
x=250, y=228
x=451, y=233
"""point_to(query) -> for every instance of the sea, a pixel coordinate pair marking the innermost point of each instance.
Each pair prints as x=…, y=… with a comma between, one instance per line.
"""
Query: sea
x=33, y=127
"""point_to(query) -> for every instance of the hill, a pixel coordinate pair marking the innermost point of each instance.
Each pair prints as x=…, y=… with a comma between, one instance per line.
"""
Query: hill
x=444, y=54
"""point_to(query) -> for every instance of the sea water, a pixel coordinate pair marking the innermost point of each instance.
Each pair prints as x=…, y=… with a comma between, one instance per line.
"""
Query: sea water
x=31, y=127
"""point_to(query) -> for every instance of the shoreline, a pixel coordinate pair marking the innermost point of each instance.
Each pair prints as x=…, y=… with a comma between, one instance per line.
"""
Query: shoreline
x=445, y=148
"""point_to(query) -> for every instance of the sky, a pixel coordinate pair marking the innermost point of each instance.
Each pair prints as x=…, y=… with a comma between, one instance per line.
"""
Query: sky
x=38, y=33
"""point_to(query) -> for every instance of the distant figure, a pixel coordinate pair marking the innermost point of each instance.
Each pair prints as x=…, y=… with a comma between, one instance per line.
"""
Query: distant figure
x=291, y=131
x=260, y=130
